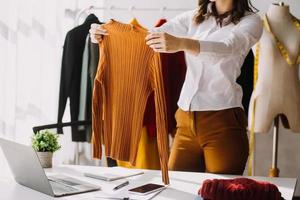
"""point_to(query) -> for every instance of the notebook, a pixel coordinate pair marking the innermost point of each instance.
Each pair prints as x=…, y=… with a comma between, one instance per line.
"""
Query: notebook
x=111, y=176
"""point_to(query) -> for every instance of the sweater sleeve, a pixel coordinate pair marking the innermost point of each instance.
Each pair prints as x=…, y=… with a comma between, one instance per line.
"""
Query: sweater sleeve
x=161, y=114
x=97, y=121
x=65, y=79
x=97, y=112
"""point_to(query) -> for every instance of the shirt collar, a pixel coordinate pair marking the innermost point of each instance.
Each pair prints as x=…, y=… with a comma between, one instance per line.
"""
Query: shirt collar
x=222, y=20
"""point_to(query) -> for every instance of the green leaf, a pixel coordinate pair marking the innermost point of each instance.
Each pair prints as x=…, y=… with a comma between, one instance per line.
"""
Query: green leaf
x=45, y=141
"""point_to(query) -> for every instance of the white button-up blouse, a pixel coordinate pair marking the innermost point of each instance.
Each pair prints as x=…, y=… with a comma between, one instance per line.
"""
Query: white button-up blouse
x=210, y=82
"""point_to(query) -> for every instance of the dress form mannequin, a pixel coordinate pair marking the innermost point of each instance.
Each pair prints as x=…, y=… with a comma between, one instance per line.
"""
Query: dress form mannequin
x=278, y=87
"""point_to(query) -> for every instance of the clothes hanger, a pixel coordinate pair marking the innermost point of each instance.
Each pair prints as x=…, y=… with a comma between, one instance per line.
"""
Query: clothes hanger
x=162, y=14
x=162, y=18
x=134, y=20
x=131, y=9
x=110, y=13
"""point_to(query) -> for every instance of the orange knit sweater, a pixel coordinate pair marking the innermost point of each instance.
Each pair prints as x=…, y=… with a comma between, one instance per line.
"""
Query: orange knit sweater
x=127, y=74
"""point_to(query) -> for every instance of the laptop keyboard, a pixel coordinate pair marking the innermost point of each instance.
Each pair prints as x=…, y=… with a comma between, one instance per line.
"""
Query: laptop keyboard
x=66, y=182
x=61, y=188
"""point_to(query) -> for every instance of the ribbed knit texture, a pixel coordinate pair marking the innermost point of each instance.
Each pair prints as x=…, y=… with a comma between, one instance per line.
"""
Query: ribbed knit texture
x=127, y=74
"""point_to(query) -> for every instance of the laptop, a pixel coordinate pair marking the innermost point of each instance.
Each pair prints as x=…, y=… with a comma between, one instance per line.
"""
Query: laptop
x=27, y=170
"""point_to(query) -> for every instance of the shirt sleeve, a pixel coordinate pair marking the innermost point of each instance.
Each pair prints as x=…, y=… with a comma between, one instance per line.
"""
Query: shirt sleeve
x=239, y=41
x=161, y=114
x=177, y=26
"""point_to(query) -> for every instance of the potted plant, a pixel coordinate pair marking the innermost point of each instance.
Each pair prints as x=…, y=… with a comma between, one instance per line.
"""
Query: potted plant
x=45, y=143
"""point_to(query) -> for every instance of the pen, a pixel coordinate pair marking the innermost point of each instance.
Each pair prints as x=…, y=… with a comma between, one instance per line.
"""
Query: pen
x=121, y=185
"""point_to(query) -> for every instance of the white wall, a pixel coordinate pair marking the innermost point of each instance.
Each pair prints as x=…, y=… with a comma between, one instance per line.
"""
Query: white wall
x=31, y=39
x=147, y=18
x=263, y=5
x=289, y=145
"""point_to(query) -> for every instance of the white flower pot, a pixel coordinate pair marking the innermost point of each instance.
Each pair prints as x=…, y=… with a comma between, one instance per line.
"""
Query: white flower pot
x=45, y=159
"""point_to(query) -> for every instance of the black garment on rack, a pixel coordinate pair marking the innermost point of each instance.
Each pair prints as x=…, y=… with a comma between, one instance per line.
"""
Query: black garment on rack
x=71, y=74
x=246, y=80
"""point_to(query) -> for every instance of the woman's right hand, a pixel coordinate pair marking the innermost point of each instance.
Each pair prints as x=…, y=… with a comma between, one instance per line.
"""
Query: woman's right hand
x=97, y=32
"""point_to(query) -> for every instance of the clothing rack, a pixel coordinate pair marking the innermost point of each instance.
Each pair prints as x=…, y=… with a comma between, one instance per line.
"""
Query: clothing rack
x=60, y=125
x=130, y=9
x=78, y=14
x=133, y=8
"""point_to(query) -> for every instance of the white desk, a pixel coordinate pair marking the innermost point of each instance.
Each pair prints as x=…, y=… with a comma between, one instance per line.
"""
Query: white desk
x=184, y=185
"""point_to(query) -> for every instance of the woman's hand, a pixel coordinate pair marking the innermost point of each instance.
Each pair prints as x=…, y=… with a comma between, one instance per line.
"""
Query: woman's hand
x=164, y=42
x=97, y=32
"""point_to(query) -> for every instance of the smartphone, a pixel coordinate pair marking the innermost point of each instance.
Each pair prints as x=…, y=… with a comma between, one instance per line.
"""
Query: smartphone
x=146, y=189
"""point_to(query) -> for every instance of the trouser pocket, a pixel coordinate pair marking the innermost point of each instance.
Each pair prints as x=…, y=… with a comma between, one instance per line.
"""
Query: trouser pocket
x=185, y=122
x=183, y=119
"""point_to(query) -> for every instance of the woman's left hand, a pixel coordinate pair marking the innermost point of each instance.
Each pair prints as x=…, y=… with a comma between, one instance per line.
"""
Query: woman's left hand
x=164, y=42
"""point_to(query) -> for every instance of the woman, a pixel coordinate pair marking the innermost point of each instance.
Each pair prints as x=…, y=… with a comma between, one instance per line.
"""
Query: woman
x=211, y=123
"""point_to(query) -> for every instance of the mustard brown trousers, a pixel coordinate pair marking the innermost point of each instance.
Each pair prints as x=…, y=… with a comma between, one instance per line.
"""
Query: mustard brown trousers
x=210, y=141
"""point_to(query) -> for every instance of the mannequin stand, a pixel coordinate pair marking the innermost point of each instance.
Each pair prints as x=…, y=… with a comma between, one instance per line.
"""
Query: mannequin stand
x=274, y=171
